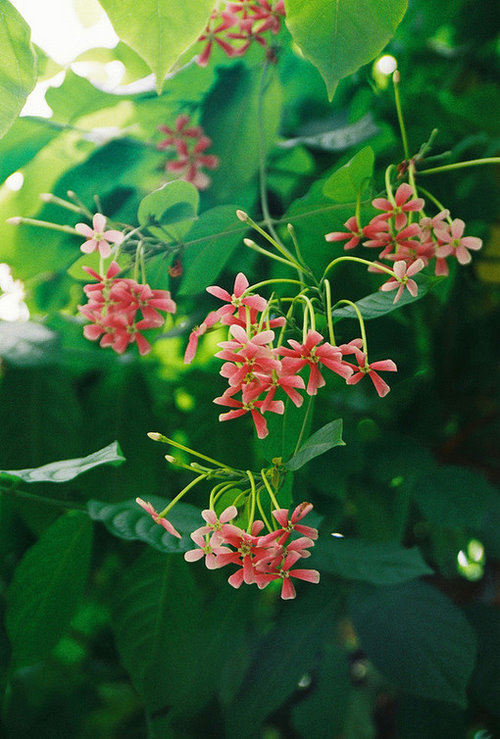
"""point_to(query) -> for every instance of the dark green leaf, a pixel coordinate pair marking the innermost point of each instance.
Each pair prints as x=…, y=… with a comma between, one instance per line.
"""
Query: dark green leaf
x=47, y=587
x=338, y=138
x=212, y=241
x=169, y=211
x=378, y=563
x=416, y=637
x=68, y=469
x=17, y=64
x=380, y=303
x=347, y=33
x=319, y=443
x=127, y=520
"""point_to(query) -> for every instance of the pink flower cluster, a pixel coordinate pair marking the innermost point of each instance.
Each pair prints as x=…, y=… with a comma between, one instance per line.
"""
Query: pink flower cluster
x=238, y=25
x=260, y=558
x=113, y=307
x=189, y=143
x=257, y=369
x=409, y=245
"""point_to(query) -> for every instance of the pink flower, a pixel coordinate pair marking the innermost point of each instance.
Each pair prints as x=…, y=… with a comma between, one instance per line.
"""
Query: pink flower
x=97, y=237
x=195, y=334
x=209, y=549
x=354, y=234
x=402, y=279
x=248, y=406
x=217, y=25
x=403, y=204
x=384, y=365
x=454, y=242
x=284, y=572
x=237, y=298
x=157, y=518
x=291, y=524
x=312, y=353
x=179, y=133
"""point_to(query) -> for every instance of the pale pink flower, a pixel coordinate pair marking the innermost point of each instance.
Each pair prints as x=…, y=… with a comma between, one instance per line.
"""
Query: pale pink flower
x=210, y=549
x=454, y=242
x=148, y=507
x=404, y=203
x=237, y=298
x=97, y=237
x=402, y=279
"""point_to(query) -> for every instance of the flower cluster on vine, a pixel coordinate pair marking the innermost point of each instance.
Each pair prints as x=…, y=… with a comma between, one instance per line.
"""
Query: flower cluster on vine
x=188, y=143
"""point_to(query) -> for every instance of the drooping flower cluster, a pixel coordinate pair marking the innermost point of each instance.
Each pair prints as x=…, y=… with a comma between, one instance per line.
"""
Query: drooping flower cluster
x=238, y=25
x=410, y=245
x=260, y=558
x=189, y=144
x=256, y=368
x=113, y=308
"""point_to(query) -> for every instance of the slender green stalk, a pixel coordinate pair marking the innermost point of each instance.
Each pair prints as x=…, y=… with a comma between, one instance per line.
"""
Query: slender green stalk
x=165, y=440
x=396, y=78
x=252, y=501
x=380, y=267
x=17, y=220
x=328, y=296
x=271, y=282
x=360, y=320
x=304, y=424
x=182, y=494
x=460, y=165
x=261, y=511
x=269, y=489
x=252, y=245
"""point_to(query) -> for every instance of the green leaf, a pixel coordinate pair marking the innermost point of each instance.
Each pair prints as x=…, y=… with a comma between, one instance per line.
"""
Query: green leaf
x=47, y=587
x=135, y=67
x=68, y=469
x=319, y=443
x=378, y=563
x=345, y=184
x=342, y=137
x=158, y=30
x=23, y=141
x=380, y=303
x=127, y=520
x=416, y=638
x=231, y=111
x=17, y=64
x=212, y=241
x=169, y=211
x=339, y=36
x=157, y=616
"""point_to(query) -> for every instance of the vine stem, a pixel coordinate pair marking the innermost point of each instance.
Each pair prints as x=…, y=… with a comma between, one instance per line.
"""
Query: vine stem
x=460, y=165
x=159, y=437
x=304, y=423
x=269, y=489
x=380, y=267
x=396, y=78
x=360, y=320
x=182, y=493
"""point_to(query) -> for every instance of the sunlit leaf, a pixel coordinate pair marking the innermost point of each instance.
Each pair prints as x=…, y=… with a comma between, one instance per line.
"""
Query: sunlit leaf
x=345, y=184
x=158, y=30
x=346, y=35
x=47, y=587
x=320, y=442
x=67, y=469
x=17, y=64
x=169, y=211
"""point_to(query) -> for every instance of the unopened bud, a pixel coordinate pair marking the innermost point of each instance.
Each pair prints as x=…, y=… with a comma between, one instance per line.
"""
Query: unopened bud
x=249, y=242
x=155, y=435
x=46, y=197
x=71, y=194
x=290, y=228
x=169, y=458
x=15, y=221
x=242, y=215
x=396, y=77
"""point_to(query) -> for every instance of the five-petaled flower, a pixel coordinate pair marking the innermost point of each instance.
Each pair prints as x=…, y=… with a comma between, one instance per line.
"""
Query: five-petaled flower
x=97, y=238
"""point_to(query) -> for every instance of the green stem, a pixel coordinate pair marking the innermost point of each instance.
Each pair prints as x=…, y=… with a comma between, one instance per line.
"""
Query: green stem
x=304, y=424
x=252, y=245
x=252, y=502
x=460, y=165
x=328, y=296
x=165, y=440
x=380, y=267
x=269, y=489
x=17, y=220
x=360, y=320
x=396, y=79
x=181, y=494
x=272, y=281
x=261, y=511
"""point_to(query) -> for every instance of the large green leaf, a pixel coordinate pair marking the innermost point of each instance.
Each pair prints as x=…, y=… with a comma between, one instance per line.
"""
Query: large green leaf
x=68, y=469
x=158, y=30
x=17, y=64
x=416, y=637
x=378, y=563
x=236, y=121
x=23, y=141
x=157, y=617
x=47, y=587
x=320, y=442
x=345, y=184
x=127, y=520
x=380, y=303
x=212, y=241
x=168, y=212
x=339, y=36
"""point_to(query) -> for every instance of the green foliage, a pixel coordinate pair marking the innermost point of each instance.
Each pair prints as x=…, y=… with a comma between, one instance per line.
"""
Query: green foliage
x=380, y=303
x=350, y=33
x=393, y=624
x=47, y=587
x=127, y=520
x=377, y=563
x=169, y=211
x=67, y=469
x=320, y=442
x=17, y=64
x=158, y=30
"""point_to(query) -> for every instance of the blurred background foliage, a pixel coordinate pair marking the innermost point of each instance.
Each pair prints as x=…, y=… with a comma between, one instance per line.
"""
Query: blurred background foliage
x=157, y=647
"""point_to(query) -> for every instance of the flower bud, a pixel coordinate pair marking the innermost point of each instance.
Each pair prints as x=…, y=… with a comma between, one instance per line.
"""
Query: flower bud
x=242, y=215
